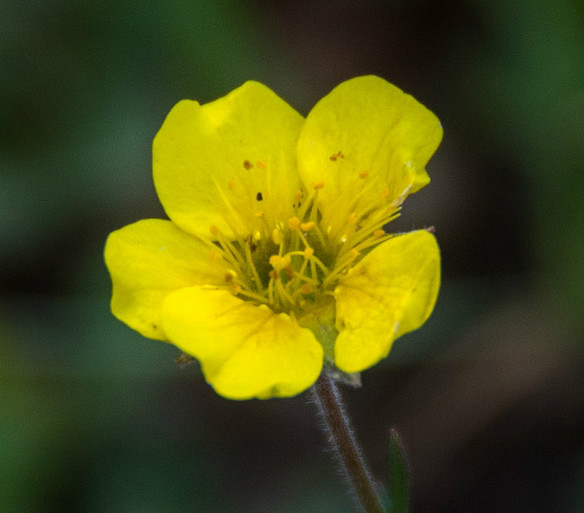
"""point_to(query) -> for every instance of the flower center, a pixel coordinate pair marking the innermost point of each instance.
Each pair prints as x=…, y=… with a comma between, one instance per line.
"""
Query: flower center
x=293, y=265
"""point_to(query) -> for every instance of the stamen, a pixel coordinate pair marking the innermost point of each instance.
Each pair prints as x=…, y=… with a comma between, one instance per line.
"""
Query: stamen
x=230, y=275
x=277, y=236
x=230, y=253
x=252, y=267
x=401, y=198
x=278, y=262
x=294, y=223
x=284, y=293
x=298, y=196
x=252, y=295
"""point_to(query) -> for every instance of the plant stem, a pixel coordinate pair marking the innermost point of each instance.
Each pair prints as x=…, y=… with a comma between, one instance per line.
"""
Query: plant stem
x=341, y=438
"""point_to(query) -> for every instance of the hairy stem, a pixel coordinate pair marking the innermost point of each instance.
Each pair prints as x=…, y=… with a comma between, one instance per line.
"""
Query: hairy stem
x=341, y=438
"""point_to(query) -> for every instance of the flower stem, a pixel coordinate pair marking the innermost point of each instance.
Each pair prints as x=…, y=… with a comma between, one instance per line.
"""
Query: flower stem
x=341, y=438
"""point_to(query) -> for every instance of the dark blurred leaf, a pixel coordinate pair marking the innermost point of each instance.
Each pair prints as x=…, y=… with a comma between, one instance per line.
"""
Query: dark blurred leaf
x=399, y=474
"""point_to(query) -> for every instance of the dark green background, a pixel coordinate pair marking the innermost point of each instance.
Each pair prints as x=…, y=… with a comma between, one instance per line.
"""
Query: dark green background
x=487, y=396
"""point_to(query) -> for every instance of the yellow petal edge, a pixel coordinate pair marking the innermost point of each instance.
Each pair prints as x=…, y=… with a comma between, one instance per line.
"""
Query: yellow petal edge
x=245, y=350
x=210, y=160
x=148, y=260
x=392, y=291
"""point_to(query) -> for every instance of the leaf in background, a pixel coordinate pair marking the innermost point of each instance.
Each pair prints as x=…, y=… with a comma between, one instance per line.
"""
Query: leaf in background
x=399, y=474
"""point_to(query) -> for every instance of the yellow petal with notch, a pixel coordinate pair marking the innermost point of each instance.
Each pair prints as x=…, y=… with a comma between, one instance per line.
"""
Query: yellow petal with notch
x=366, y=144
x=213, y=163
x=147, y=261
x=245, y=350
x=392, y=291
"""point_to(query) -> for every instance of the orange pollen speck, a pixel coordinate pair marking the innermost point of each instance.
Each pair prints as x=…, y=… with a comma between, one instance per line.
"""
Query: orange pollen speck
x=363, y=174
x=317, y=185
x=214, y=230
x=261, y=164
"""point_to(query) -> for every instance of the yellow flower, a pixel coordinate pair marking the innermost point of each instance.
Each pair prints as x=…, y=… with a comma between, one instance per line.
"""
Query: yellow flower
x=275, y=260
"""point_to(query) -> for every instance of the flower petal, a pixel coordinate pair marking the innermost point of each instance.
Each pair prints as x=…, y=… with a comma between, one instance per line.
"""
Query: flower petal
x=245, y=350
x=367, y=143
x=392, y=291
x=228, y=163
x=148, y=260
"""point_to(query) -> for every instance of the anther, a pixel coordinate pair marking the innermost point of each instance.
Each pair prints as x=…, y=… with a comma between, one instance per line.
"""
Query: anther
x=294, y=223
x=278, y=262
x=277, y=236
x=317, y=185
x=308, y=252
x=378, y=233
x=306, y=289
x=306, y=227
x=230, y=275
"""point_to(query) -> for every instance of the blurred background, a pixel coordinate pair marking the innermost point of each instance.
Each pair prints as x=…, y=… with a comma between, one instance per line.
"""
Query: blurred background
x=487, y=396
